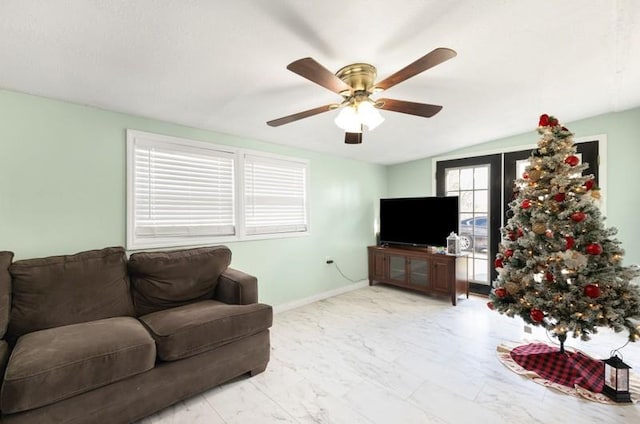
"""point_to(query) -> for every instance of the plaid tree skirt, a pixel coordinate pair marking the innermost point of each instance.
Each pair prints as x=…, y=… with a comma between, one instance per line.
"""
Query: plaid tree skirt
x=573, y=373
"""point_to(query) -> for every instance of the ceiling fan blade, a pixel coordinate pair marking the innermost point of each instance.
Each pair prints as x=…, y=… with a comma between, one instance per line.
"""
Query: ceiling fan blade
x=403, y=106
x=300, y=115
x=427, y=61
x=353, y=138
x=313, y=71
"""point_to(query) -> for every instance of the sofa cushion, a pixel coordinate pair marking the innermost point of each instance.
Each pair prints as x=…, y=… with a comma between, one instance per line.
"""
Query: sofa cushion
x=4, y=355
x=62, y=290
x=163, y=280
x=5, y=290
x=49, y=365
x=195, y=328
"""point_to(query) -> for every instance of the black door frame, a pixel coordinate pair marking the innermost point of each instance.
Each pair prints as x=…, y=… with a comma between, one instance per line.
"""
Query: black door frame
x=501, y=183
x=495, y=213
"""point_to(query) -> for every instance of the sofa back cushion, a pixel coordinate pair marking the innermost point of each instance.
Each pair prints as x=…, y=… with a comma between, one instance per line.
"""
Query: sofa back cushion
x=163, y=280
x=62, y=290
x=5, y=291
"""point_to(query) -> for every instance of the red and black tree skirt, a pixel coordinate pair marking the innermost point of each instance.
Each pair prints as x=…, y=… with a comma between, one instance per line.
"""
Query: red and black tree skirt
x=568, y=368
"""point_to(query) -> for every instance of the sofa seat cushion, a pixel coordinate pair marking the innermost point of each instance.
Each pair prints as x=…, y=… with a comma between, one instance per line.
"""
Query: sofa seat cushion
x=198, y=327
x=54, y=364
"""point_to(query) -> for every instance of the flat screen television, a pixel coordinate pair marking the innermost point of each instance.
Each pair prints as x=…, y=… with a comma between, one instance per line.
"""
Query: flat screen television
x=418, y=221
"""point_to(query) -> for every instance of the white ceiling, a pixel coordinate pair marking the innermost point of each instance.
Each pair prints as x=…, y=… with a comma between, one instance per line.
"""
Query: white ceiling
x=222, y=65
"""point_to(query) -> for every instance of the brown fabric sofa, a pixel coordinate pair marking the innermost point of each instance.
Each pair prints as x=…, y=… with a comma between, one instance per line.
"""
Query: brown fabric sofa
x=98, y=338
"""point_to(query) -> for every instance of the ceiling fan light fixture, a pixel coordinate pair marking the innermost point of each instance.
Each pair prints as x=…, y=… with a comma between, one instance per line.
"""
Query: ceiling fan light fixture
x=356, y=83
x=353, y=116
x=369, y=115
x=349, y=120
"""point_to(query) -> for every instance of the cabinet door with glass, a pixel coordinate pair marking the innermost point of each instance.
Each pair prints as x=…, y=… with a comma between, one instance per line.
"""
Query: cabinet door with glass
x=397, y=268
x=419, y=272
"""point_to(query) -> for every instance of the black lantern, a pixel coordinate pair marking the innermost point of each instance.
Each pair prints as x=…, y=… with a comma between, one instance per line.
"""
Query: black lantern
x=616, y=379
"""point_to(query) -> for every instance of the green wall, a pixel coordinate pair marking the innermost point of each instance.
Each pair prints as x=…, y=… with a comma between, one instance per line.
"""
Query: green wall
x=410, y=179
x=63, y=191
x=622, y=195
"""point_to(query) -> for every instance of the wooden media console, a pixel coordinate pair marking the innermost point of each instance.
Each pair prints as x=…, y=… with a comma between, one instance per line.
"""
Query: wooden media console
x=418, y=269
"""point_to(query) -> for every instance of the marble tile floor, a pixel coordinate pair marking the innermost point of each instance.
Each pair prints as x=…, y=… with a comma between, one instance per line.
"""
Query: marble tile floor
x=385, y=355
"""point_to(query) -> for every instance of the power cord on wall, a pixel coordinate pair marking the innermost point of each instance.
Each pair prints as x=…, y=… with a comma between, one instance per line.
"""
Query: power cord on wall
x=332, y=262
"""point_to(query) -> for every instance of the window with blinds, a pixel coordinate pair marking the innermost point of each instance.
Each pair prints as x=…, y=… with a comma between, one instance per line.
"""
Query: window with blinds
x=275, y=199
x=179, y=192
x=184, y=192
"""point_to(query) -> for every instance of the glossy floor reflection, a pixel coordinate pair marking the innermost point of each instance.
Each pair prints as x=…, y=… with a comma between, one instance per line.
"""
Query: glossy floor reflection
x=385, y=355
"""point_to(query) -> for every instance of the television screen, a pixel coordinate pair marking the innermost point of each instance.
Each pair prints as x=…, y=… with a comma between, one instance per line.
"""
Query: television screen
x=418, y=221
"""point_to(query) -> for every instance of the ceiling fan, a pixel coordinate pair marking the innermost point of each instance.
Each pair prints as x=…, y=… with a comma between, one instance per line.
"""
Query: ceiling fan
x=356, y=83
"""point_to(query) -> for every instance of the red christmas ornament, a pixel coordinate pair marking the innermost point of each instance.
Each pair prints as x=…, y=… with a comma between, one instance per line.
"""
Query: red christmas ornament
x=512, y=236
x=572, y=160
x=526, y=204
x=569, y=242
x=559, y=197
x=588, y=185
x=500, y=292
x=508, y=253
x=549, y=277
x=593, y=248
x=536, y=315
x=498, y=263
x=525, y=175
x=592, y=291
x=490, y=305
x=578, y=216
x=544, y=120
x=520, y=232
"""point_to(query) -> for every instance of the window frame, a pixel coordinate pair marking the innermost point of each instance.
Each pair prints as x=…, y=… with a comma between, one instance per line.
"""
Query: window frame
x=270, y=158
x=134, y=242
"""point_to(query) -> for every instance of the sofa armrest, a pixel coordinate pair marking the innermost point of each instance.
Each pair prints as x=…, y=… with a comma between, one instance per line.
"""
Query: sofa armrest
x=237, y=288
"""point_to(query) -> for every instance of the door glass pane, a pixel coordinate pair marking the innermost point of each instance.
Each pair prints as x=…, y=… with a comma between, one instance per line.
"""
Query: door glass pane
x=481, y=178
x=474, y=213
x=452, y=180
x=466, y=201
x=480, y=269
x=520, y=167
x=481, y=201
x=577, y=174
x=466, y=179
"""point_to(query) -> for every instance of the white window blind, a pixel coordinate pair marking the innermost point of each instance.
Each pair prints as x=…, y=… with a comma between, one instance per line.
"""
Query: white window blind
x=181, y=190
x=275, y=195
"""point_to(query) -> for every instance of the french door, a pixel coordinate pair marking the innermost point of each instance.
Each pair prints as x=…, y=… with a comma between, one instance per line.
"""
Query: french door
x=485, y=186
x=476, y=182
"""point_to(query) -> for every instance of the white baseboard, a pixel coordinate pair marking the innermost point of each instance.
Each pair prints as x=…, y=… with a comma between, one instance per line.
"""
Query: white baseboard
x=320, y=296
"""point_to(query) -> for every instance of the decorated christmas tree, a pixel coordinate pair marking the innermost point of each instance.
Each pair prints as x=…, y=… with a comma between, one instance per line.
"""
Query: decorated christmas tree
x=558, y=266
